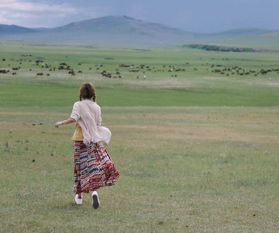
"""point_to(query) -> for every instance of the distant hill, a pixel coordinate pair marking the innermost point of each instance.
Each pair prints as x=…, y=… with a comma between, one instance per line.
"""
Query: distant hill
x=269, y=40
x=233, y=34
x=13, y=29
x=111, y=30
x=127, y=31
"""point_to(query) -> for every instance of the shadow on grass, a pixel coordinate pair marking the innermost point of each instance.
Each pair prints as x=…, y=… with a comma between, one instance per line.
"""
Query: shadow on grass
x=66, y=206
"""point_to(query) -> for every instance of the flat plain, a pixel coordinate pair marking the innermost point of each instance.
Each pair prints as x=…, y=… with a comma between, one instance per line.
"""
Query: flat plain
x=195, y=138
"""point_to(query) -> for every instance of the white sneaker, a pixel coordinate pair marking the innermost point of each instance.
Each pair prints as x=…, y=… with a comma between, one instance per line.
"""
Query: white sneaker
x=95, y=200
x=78, y=200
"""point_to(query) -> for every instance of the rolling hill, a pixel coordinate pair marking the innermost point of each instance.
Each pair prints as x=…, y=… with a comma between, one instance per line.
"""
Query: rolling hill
x=111, y=30
x=234, y=34
x=13, y=29
x=127, y=31
x=269, y=40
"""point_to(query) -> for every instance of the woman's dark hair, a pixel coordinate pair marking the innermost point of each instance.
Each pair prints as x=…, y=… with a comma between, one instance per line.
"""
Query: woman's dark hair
x=87, y=91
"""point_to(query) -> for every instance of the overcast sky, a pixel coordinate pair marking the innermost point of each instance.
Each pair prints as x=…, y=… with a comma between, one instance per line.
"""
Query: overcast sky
x=191, y=15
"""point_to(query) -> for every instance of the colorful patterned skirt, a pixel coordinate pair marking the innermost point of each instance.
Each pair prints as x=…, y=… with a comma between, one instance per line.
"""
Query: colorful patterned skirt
x=93, y=167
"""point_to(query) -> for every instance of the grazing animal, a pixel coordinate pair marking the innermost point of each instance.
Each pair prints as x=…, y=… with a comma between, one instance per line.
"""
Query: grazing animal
x=4, y=71
x=104, y=73
x=72, y=72
x=124, y=65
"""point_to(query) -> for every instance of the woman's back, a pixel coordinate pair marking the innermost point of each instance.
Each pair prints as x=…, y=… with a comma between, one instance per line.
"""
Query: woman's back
x=87, y=114
x=89, y=111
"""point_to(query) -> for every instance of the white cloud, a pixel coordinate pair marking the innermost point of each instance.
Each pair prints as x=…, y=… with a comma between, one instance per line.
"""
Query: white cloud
x=25, y=6
x=45, y=14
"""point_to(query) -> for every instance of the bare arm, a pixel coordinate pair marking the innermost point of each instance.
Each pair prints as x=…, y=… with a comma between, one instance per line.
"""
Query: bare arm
x=65, y=122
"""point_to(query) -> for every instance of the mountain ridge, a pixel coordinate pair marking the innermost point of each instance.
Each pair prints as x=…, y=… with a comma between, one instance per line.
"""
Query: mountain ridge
x=119, y=30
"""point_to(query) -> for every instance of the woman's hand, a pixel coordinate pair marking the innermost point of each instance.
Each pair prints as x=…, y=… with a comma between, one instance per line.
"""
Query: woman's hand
x=57, y=124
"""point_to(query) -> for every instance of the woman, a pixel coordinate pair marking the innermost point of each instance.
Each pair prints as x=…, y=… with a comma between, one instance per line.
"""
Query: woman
x=93, y=167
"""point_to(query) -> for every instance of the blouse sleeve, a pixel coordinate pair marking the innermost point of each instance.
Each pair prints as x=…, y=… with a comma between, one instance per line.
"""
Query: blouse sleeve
x=99, y=117
x=75, y=112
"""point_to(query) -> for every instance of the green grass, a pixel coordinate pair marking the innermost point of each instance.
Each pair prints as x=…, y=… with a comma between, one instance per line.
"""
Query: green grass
x=29, y=93
x=186, y=169
x=196, y=153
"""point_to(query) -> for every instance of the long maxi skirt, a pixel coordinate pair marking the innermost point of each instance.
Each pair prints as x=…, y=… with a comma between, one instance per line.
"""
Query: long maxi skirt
x=93, y=167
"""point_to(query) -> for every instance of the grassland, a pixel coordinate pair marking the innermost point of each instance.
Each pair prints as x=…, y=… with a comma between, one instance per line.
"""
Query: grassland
x=197, y=152
x=170, y=77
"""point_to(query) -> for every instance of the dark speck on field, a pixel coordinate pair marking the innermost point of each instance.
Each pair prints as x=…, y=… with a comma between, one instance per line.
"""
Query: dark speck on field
x=33, y=124
x=72, y=72
x=26, y=141
x=33, y=160
x=4, y=71
x=160, y=222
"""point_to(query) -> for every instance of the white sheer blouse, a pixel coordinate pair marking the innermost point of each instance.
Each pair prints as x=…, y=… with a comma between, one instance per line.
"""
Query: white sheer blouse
x=88, y=115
